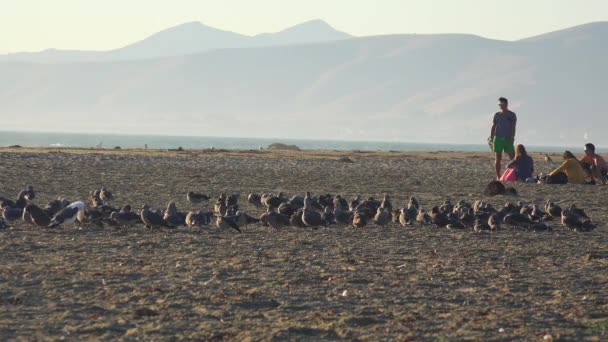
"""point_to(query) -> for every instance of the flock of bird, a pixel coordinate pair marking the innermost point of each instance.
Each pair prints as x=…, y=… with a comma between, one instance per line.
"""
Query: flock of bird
x=280, y=211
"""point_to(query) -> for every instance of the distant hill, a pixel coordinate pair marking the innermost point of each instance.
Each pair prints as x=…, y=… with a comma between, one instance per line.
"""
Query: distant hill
x=186, y=39
x=430, y=88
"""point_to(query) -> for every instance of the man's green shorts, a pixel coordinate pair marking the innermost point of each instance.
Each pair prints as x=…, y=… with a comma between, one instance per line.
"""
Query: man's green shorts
x=500, y=145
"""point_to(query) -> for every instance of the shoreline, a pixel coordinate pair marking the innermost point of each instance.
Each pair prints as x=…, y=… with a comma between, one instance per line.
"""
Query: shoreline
x=271, y=153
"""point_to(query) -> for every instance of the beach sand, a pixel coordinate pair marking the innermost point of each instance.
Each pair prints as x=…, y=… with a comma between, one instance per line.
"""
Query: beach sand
x=371, y=283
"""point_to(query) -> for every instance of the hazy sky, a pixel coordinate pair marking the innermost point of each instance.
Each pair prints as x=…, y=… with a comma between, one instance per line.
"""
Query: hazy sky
x=31, y=25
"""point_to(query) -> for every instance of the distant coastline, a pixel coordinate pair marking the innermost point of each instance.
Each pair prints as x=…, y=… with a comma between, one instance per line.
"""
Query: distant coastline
x=110, y=141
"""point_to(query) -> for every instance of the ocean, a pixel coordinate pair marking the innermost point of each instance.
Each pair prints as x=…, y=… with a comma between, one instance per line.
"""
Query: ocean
x=44, y=139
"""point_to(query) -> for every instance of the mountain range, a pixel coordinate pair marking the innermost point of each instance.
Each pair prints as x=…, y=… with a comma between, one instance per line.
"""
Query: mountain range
x=312, y=81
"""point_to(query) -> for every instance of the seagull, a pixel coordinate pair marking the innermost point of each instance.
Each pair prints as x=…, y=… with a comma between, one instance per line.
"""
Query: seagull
x=125, y=218
x=312, y=218
x=243, y=219
x=423, y=218
x=225, y=222
x=359, y=220
x=67, y=215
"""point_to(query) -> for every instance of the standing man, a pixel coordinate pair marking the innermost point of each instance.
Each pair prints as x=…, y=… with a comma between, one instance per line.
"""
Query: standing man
x=502, y=135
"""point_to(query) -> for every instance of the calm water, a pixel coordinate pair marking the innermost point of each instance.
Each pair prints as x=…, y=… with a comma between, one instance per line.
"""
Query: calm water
x=36, y=139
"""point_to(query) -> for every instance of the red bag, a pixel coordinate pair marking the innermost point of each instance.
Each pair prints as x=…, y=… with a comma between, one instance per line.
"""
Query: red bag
x=509, y=176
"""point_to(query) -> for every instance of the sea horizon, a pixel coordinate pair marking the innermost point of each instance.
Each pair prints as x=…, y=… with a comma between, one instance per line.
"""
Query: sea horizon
x=153, y=141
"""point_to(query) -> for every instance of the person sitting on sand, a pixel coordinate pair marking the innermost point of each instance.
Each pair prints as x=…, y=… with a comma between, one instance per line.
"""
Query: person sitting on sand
x=570, y=171
x=523, y=164
x=594, y=165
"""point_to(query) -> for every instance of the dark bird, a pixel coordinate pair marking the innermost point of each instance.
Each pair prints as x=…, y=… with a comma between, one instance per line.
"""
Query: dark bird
x=413, y=203
x=342, y=216
x=225, y=222
x=341, y=202
x=287, y=209
x=386, y=204
x=90, y=216
x=11, y=214
x=494, y=221
x=382, y=217
x=518, y=220
x=125, y=218
x=328, y=216
x=277, y=221
x=480, y=226
x=243, y=219
x=541, y=227
x=255, y=200
x=105, y=195
x=354, y=203
x=423, y=218
x=446, y=207
x=312, y=218
x=439, y=218
x=195, y=198
x=152, y=219
x=67, y=215
x=2, y=224
x=553, y=209
x=198, y=219
x=296, y=219
x=571, y=220
x=359, y=220
x=37, y=216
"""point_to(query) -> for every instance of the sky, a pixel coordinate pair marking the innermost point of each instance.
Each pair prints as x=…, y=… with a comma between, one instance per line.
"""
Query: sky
x=34, y=25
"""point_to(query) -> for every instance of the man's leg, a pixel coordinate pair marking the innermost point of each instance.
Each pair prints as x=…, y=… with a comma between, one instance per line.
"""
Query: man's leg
x=511, y=155
x=497, y=166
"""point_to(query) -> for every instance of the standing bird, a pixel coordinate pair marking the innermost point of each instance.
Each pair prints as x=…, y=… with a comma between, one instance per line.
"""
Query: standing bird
x=548, y=159
x=67, y=215
x=328, y=216
x=277, y=221
x=342, y=216
x=195, y=198
x=413, y=203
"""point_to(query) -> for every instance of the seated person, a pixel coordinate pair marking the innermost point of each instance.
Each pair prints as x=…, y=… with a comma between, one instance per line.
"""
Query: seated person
x=594, y=165
x=570, y=171
x=522, y=163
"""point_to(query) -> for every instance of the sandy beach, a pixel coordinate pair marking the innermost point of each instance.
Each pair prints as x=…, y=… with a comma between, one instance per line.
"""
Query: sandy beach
x=391, y=283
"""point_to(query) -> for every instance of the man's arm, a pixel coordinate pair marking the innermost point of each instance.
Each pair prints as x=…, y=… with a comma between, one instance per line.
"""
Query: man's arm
x=513, y=129
x=493, y=130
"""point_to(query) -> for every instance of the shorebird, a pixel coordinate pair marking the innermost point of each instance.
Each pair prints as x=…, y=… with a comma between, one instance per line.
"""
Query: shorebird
x=342, y=216
x=494, y=221
x=413, y=203
x=382, y=217
x=296, y=219
x=439, y=218
x=225, y=222
x=198, y=219
x=255, y=200
x=125, y=218
x=386, y=204
x=105, y=195
x=37, y=216
x=152, y=219
x=423, y=218
x=243, y=220
x=312, y=218
x=328, y=216
x=553, y=209
x=548, y=159
x=67, y=215
x=195, y=198
x=359, y=220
